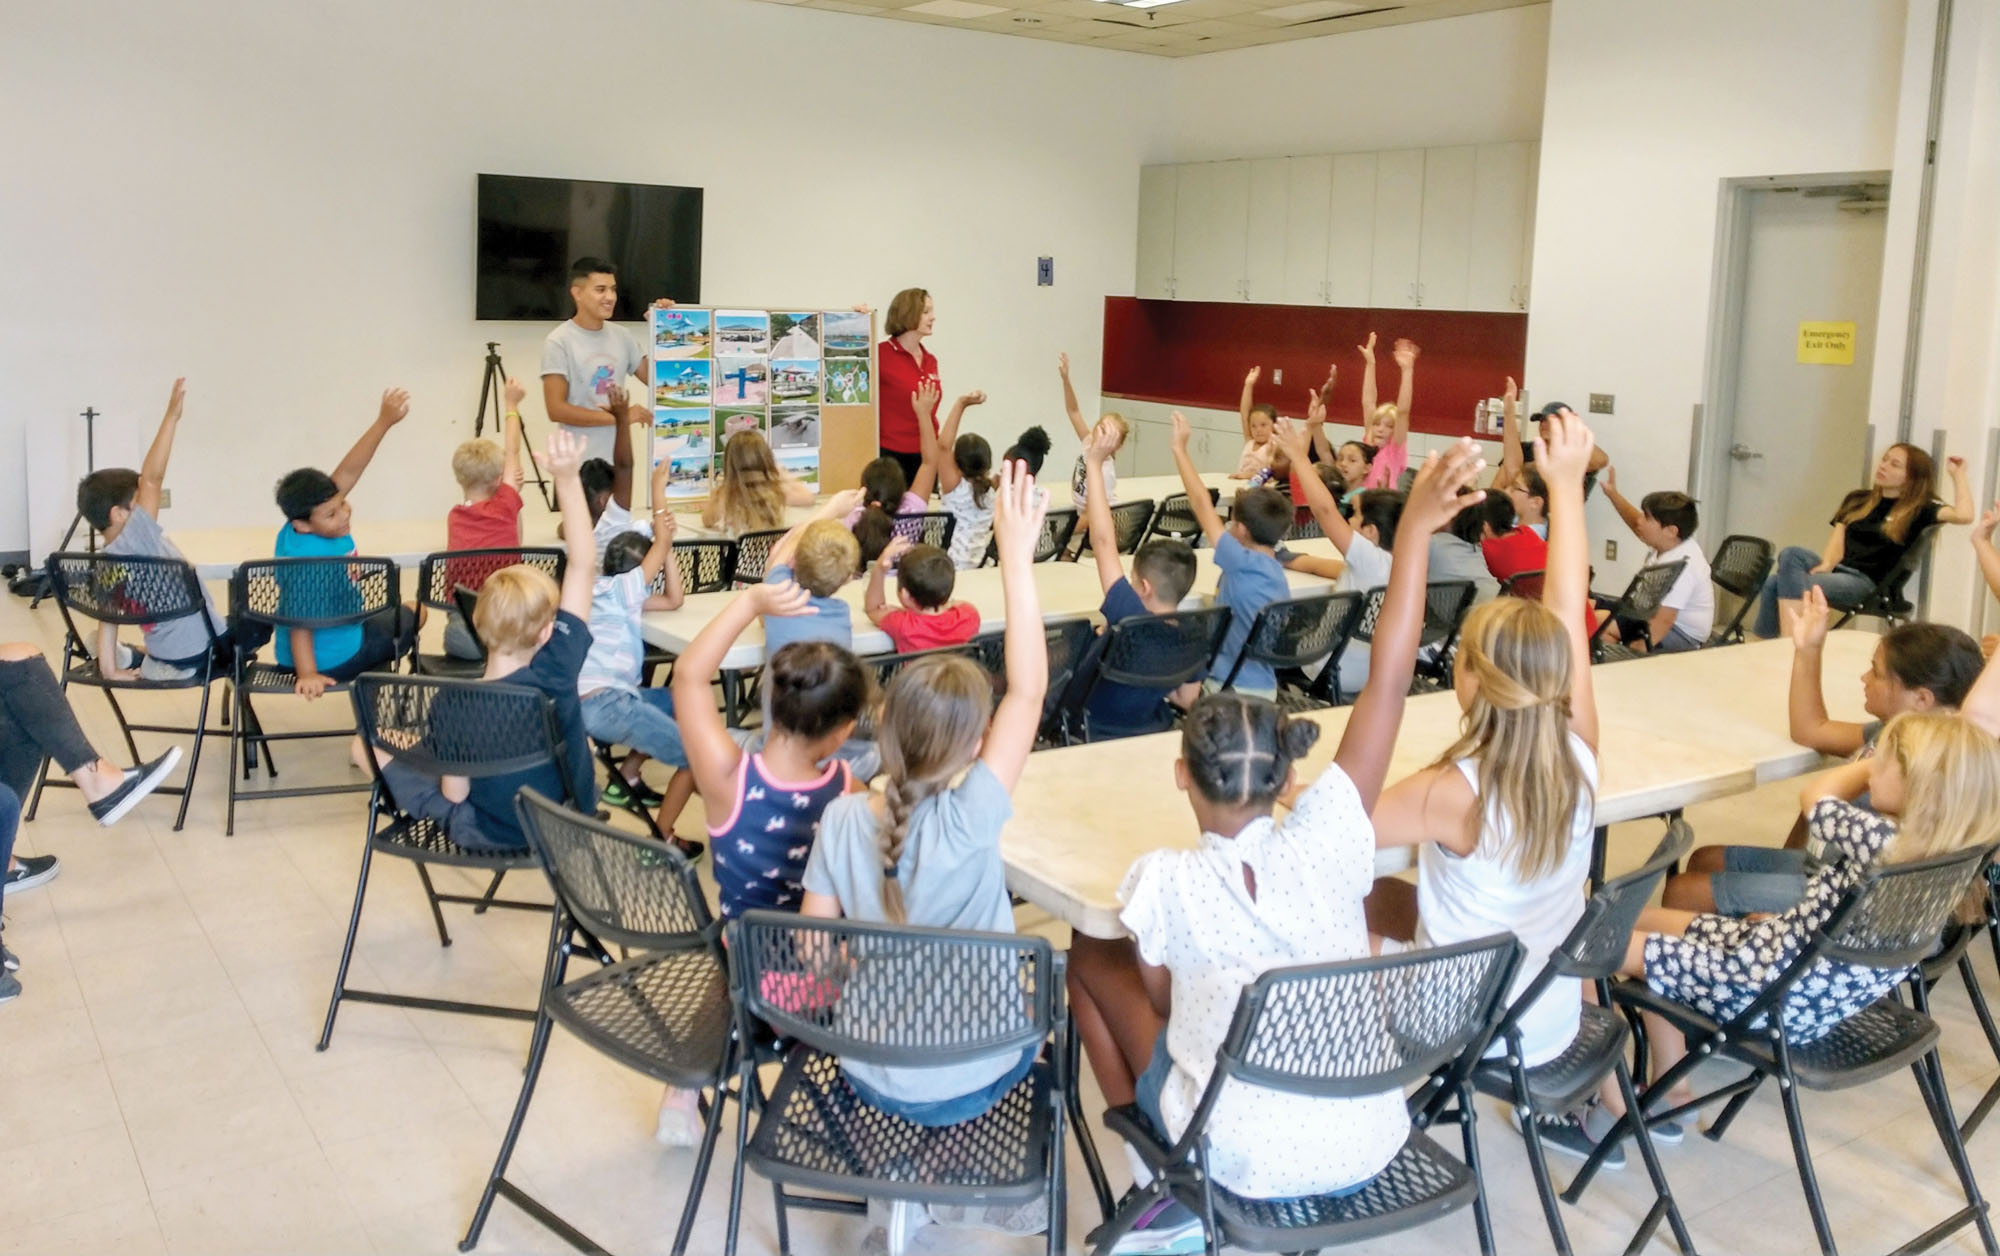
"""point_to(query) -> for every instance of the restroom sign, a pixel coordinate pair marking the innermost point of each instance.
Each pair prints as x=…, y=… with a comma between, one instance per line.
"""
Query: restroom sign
x=1826, y=344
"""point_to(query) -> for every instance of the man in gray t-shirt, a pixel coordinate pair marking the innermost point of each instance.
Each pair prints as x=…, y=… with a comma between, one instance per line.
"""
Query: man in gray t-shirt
x=585, y=361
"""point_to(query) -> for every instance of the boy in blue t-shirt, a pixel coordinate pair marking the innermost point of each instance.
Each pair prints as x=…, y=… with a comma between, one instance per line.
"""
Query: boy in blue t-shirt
x=1251, y=576
x=317, y=524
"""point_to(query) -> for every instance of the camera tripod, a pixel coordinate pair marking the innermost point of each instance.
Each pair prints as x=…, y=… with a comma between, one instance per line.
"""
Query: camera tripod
x=493, y=389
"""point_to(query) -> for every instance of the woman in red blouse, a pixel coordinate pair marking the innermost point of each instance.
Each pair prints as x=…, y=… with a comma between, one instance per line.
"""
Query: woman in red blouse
x=905, y=367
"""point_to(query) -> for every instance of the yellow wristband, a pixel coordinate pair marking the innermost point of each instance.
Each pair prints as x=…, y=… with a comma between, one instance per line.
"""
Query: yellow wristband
x=513, y=414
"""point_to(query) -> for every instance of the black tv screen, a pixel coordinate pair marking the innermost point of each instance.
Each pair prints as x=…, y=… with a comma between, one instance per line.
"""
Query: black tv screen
x=530, y=230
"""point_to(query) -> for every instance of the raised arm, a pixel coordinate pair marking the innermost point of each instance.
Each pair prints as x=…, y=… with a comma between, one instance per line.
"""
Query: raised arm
x=1097, y=510
x=1316, y=404
x=1367, y=381
x=1563, y=452
x=1961, y=508
x=555, y=399
x=834, y=507
x=1626, y=510
x=394, y=409
x=1292, y=439
x=153, y=471
x=660, y=555
x=510, y=443
x=1984, y=550
x=875, y=604
x=1369, y=739
x=1511, y=458
x=1406, y=388
x=1197, y=492
x=712, y=754
x=564, y=455
x=1018, y=507
x=621, y=452
x=946, y=452
x=925, y=401
x=1249, y=395
x=1070, y=406
x=1982, y=704
x=1805, y=704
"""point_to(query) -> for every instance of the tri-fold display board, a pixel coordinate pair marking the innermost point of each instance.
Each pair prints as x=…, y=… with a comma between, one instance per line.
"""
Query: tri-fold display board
x=804, y=379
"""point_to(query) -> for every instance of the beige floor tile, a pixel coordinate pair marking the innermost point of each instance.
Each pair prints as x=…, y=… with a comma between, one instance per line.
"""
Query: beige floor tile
x=129, y=1229
x=292, y=1205
x=74, y=1099
x=442, y=1159
x=357, y=1094
x=74, y=1172
x=40, y=1039
x=223, y=1062
x=216, y=1136
x=167, y=1015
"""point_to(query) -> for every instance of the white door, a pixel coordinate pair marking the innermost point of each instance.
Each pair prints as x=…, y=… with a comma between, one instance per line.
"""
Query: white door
x=1444, y=251
x=1308, y=199
x=1399, y=208
x=1264, y=243
x=1211, y=221
x=1350, y=230
x=1501, y=195
x=1154, y=275
x=1796, y=434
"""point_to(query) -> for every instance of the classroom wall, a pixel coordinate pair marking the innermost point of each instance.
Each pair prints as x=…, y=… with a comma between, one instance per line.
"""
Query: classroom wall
x=276, y=200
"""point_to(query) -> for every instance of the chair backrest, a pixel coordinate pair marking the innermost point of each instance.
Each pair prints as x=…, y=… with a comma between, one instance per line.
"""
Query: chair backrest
x=753, y=555
x=1895, y=916
x=930, y=528
x=473, y=728
x=121, y=589
x=1129, y=521
x=313, y=592
x=1161, y=651
x=893, y=994
x=1446, y=604
x=1175, y=517
x=1058, y=526
x=1309, y=530
x=888, y=666
x=1596, y=946
x=1648, y=589
x=1298, y=630
x=1523, y=584
x=1890, y=589
x=623, y=889
x=706, y=566
x=445, y=570
x=1737, y=572
x=1364, y=1026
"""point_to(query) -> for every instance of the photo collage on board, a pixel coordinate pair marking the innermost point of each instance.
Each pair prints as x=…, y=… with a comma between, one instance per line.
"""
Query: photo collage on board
x=719, y=372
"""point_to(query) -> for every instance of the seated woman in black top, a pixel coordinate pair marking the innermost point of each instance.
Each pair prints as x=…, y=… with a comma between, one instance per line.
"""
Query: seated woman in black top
x=1872, y=530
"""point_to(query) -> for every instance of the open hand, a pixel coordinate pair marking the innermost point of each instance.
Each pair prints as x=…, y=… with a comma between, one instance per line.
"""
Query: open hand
x=1326, y=389
x=1102, y=444
x=1406, y=353
x=514, y=393
x=1512, y=392
x=893, y=554
x=395, y=407
x=1810, y=624
x=781, y=598
x=1610, y=478
x=664, y=303
x=1181, y=432
x=1251, y=376
x=1315, y=411
x=925, y=399
x=1436, y=497
x=1368, y=350
x=564, y=452
x=174, y=399
x=1292, y=439
x=977, y=397
x=1062, y=365
x=1982, y=529
x=843, y=503
x=1562, y=451
x=1017, y=513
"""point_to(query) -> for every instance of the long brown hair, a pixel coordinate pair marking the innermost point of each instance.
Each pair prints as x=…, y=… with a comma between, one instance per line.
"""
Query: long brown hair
x=750, y=496
x=933, y=716
x=1517, y=728
x=906, y=312
x=1919, y=490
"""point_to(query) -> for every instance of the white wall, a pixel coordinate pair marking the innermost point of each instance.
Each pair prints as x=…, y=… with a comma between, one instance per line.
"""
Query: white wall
x=276, y=200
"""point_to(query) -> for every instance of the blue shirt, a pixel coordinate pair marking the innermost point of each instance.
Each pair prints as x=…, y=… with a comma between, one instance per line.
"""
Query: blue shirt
x=553, y=670
x=830, y=619
x=331, y=646
x=1119, y=710
x=764, y=840
x=1250, y=582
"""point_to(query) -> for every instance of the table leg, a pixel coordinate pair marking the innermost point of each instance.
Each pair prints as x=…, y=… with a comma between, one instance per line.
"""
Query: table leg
x=732, y=698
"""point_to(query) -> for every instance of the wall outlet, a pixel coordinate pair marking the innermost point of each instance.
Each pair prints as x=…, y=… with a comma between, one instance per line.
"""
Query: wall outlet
x=1277, y=374
x=1600, y=403
x=1611, y=551
x=166, y=498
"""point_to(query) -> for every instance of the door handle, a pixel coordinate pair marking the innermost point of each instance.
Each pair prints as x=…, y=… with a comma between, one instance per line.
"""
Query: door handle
x=1743, y=453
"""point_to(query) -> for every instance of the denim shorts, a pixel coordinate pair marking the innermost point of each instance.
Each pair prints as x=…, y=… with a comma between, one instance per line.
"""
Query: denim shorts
x=1758, y=879
x=935, y=1112
x=642, y=719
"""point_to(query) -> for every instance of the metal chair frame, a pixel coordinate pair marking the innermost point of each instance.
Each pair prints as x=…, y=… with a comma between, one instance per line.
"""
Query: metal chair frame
x=1642, y=597
x=441, y=574
x=1174, y=519
x=1331, y=619
x=1058, y=526
x=1741, y=580
x=1885, y=601
x=1130, y=520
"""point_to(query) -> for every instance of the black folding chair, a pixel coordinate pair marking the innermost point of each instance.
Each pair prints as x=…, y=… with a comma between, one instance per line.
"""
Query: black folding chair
x=1144, y=652
x=1954, y=952
x=1129, y=521
x=753, y=556
x=1523, y=584
x=1305, y=530
x=1344, y=1030
x=440, y=727
x=1637, y=604
x=442, y=573
x=1593, y=952
x=1058, y=526
x=896, y=996
x=1886, y=600
x=1175, y=521
x=1889, y=922
x=706, y=566
x=280, y=594
x=928, y=528
x=663, y=1012
x=121, y=590
x=1289, y=634
x=1737, y=572
x=1446, y=604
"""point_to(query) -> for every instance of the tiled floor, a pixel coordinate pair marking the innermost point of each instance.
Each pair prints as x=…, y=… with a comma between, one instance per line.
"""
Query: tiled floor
x=159, y=1090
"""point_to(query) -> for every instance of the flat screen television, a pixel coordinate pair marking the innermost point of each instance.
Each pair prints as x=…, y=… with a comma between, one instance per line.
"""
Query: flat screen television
x=530, y=230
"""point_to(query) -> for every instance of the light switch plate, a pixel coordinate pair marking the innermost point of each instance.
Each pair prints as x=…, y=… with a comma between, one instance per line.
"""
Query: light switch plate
x=1277, y=374
x=1600, y=403
x=1611, y=551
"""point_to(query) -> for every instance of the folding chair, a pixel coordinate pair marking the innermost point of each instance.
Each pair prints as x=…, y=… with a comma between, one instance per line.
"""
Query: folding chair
x=1307, y=529
x=1593, y=952
x=706, y=566
x=1446, y=604
x=1289, y=634
x=440, y=727
x=281, y=594
x=753, y=556
x=1523, y=584
x=1175, y=521
x=1129, y=521
x=113, y=589
x=930, y=528
x=440, y=574
x=1886, y=601
x=1638, y=603
x=1342, y=1030
x=1058, y=526
x=1145, y=652
x=663, y=1012
x=1954, y=952
x=1737, y=572
x=896, y=996
x=1890, y=922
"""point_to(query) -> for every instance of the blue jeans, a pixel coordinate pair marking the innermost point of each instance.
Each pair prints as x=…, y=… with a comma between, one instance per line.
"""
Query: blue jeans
x=10, y=824
x=1794, y=574
x=935, y=1112
x=421, y=796
x=642, y=719
x=1759, y=879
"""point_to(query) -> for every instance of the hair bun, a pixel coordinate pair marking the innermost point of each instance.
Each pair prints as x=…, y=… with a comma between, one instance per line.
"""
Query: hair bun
x=1035, y=439
x=1297, y=737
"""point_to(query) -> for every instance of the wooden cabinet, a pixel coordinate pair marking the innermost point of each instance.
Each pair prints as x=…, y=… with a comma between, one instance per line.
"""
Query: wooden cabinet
x=1398, y=236
x=1267, y=231
x=1502, y=227
x=1154, y=275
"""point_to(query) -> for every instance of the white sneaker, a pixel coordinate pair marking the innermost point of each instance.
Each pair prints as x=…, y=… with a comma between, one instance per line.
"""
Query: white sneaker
x=896, y=1223
x=680, y=1118
x=1029, y=1218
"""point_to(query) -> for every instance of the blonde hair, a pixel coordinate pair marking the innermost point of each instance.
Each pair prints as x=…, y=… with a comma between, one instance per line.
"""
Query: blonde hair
x=750, y=495
x=477, y=464
x=827, y=558
x=1385, y=413
x=1117, y=420
x=1517, y=728
x=515, y=604
x=1951, y=785
x=933, y=717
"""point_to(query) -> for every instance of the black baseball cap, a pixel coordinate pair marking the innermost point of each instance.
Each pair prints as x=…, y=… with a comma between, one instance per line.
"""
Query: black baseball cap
x=1554, y=407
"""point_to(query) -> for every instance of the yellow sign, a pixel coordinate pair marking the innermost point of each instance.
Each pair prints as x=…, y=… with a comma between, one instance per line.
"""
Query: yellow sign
x=1826, y=344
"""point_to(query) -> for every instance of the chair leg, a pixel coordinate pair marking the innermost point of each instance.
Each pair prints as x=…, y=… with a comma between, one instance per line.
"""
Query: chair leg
x=1468, y=1127
x=1538, y=1162
x=41, y=782
x=194, y=757
x=486, y=899
x=1721, y=1124
x=537, y=1048
x=711, y=1132
x=784, y=1220
x=430, y=892
x=746, y=1087
x=353, y=927
x=1795, y=1125
x=124, y=725
x=1085, y=1141
x=1058, y=1240
x=1937, y=1098
x=1984, y=1012
x=1664, y=1206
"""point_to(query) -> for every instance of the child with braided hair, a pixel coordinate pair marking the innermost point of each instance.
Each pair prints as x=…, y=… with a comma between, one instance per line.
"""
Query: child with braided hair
x=1259, y=893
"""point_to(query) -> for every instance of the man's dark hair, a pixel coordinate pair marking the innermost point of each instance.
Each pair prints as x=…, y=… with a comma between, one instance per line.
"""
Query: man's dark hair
x=1167, y=565
x=100, y=491
x=1265, y=513
x=1466, y=525
x=926, y=573
x=305, y=490
x=1673, y=510
x=584, y=267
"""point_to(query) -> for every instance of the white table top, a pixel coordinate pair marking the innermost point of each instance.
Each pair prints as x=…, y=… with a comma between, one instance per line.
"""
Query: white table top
x=1674, y=731
x=1065, y=589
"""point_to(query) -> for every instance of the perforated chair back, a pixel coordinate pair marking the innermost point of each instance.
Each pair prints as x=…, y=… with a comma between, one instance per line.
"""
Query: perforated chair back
x=889, y=666
x=1299, y=630
x=753, y=555
x=1129, y=521
x=1738, y=571
x=1894, y=918
x=1161, y=651
x=1308, y=530
x=471, y=728
x=1364, y=1026
x=1446, y=604
x=622, y=889
x=313, y=592
x=445, y=570
x=1523, y=584
x=1648, y=589
x=1058, y=526
x=930, y=528
x=1175, y=518
x=121, y=589
x=893, y=994
x=706, y=566
x=1595, y=948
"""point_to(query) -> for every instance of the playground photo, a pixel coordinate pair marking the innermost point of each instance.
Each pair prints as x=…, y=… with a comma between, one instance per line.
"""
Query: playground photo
x=681, y=384
x=803, y=466
x=689, y=477
x=741, y=332
x=731, y=422
x=742, y=382
x=847, y=381
x=794, y=427
x=672, y=428
x=794, y=381
x=680, y=334
x=794, y=335
x=845, y=332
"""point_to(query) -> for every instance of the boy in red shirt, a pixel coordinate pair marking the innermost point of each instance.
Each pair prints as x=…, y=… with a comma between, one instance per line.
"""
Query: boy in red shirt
x=927, y=618
x=489, y=476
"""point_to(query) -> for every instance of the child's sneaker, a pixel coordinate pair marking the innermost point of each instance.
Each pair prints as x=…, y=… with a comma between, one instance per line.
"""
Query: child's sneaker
x=28, y=872
x=1566, y=1134
x=138, y=782
x=10, y=987
x=680, y=1118
x=616, y=793
x=896, y=1222
x=1029, y=1218
x=9, y=962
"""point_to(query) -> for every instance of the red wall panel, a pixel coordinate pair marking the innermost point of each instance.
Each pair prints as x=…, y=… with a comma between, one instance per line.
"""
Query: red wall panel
x=1194, y=353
